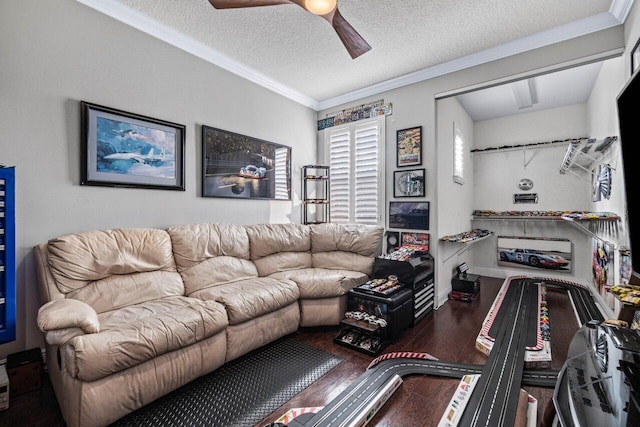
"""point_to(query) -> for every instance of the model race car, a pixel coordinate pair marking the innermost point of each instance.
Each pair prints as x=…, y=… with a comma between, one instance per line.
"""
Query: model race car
x=533, y=258
x=251, y=171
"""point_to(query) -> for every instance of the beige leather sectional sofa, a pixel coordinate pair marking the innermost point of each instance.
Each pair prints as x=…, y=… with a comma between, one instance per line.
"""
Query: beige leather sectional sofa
x=132, y=314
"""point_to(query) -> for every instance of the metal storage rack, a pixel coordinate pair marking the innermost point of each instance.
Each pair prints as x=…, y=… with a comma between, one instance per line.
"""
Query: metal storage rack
x=315, y=194
x=7, y=255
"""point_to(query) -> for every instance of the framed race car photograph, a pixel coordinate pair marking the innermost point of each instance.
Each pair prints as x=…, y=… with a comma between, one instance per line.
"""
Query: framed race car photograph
x=535, y=253
x=243, y=167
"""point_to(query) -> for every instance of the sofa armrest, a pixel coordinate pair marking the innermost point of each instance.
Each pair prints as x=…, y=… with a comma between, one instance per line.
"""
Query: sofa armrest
x=68, y=314
x=62, y=337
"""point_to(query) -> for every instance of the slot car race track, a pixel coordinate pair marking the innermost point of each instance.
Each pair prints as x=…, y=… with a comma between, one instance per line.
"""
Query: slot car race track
x=494, y=399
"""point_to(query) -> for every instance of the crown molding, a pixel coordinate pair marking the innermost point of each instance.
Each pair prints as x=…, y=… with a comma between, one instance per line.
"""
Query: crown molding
x=616, y=16
x=152, y=27
x=565, y=32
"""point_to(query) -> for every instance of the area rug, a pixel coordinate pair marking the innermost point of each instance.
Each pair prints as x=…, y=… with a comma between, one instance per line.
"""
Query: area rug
x=242, y=392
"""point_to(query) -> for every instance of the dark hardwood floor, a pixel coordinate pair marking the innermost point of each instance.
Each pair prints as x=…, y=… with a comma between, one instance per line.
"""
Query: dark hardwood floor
x=448, y=334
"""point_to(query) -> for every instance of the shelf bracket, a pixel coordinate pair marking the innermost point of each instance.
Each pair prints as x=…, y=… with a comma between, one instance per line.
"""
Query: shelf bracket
x=524, y=158
x=457, y=253
x=585, y=230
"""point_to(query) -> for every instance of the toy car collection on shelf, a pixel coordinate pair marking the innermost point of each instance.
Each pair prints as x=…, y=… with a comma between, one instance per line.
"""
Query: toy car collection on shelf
x=315, y=194
x=7, y=255
x=377, y=312
x=579, y=215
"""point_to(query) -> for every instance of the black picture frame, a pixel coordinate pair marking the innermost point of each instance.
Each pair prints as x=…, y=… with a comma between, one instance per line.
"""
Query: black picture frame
x=409, y=215
x=409, y=183
x=416, y=239
x=409, y=147
x=243, y=167
x=123, y=149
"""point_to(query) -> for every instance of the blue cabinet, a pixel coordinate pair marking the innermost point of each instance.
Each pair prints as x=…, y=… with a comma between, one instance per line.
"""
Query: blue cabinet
x=7, y=255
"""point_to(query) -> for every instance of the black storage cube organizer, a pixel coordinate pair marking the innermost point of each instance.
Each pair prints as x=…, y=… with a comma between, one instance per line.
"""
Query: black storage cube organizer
x=416, y=273
x=396, y=309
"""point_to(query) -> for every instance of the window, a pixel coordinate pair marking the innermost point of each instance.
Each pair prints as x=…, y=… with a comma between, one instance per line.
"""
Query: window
x=355, y=154
x=458, y=155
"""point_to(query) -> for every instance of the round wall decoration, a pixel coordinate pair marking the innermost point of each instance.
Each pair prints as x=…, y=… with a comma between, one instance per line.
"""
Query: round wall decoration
x=602, y=183
x=525, y=184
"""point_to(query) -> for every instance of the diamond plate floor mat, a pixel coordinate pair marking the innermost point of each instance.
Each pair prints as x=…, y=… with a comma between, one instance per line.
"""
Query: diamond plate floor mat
x=240, y=393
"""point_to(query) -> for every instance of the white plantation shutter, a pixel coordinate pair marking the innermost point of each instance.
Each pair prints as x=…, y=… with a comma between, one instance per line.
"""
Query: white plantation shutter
x=340, y=170
x=281, y=169
x=367, y=173
x=355, y=155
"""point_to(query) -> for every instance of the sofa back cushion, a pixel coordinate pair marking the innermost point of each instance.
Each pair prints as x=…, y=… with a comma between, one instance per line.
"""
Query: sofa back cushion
x=345, y=246
x=111, y=269
x=279, y=247
x=211, y=254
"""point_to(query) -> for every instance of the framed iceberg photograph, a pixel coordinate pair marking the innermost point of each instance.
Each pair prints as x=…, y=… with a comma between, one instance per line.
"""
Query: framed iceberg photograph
x=122, y=149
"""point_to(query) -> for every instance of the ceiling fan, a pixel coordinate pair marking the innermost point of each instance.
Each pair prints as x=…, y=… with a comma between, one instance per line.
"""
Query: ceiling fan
x=327, y=9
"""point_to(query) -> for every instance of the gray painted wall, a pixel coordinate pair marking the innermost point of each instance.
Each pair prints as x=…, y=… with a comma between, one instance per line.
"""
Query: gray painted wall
x=53, y=54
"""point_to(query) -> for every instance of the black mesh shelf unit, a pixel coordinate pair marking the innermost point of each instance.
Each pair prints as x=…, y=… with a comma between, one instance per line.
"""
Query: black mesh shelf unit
x=416, y=273
x=315, y=194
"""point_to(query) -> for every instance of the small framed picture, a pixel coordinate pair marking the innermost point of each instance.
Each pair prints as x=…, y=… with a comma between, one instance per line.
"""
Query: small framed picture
x=409, y=183
x=121, y=149
x=409, y=215
x=415, y=239
x=409, y=146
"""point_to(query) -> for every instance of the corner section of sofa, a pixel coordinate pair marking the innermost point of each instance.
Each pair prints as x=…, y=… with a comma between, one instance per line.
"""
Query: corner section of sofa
x=325, y=261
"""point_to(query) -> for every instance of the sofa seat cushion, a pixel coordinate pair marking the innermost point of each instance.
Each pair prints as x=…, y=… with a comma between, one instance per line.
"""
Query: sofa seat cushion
x=323, y=282
x=137, y=333
x=247, y=299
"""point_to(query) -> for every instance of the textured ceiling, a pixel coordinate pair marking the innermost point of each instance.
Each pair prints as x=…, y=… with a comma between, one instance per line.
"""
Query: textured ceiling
x=300, y=53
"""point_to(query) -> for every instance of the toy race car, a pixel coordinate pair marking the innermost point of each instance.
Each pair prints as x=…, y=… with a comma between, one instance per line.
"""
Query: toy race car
x=251, y=171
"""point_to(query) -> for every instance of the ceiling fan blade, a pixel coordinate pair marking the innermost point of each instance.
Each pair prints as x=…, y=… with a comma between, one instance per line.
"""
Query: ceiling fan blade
x=229, y=4
x=353, y=41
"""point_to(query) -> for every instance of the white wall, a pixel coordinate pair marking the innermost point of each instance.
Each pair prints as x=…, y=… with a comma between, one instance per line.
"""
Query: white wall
x=415, y=105
x=498, y=172
x=455, y=201
x=55, y=54
x=603, y=121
